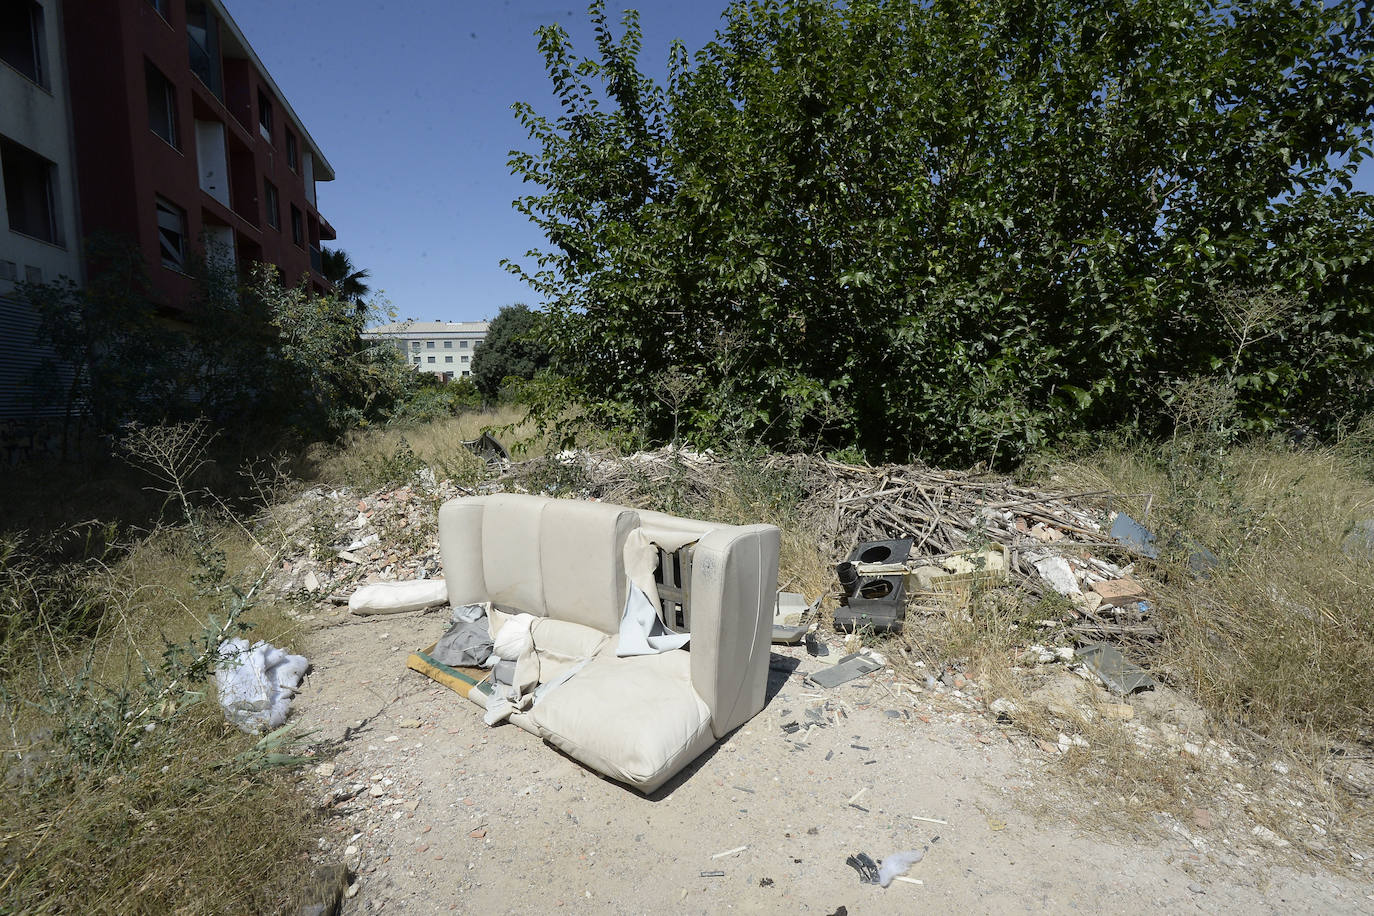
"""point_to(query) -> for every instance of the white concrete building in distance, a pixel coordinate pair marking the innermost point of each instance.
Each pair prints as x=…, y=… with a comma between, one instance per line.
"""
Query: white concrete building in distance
x=444, y=348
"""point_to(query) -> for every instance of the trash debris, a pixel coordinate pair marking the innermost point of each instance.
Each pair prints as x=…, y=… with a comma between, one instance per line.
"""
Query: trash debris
x=1058, y=574
x=487, y=448
x=846, y=669
x=874, y=586
x=398, y=597
x=729, y=852
x=1134, y=535
x=713, y=874
x=862, y=863
x=897, y=863
x=790, y=618
x=257, y=684
x=1360, y=541
x=1107, y=662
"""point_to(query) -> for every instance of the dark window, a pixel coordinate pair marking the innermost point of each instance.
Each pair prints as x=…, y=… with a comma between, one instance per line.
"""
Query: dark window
x=463, y=344
x=448, y=359
x=162, y=7
x=272, y=202
x=265, y=115
x=293, y=153
x=448, y=345
x=417, y=360
x=202, y=44
x=171, y=234
x=431, y=359
x=297, y=227
x=30, y=192
x=429, y=345
x=162, y=105
x=21, y=37
x=416, y=344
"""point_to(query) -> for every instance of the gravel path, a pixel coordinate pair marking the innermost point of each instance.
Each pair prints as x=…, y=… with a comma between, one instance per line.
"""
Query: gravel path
x=436, y=812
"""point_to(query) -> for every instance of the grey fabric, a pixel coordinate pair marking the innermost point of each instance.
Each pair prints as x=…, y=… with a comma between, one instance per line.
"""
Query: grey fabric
x=467, y=644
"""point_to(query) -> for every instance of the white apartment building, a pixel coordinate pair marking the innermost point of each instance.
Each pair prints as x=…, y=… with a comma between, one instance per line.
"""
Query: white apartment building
x=38, y=220
x=444, y=348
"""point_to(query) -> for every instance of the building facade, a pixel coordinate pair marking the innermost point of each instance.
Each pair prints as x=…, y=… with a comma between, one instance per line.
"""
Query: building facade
x=444, y=348
x=186, y=144
x=39, y=228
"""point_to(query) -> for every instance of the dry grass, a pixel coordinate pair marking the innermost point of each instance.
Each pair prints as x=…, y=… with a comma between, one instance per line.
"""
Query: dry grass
x=188, y=819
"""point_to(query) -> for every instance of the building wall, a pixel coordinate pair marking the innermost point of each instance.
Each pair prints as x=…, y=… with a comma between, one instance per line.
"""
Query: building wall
x=214, y=172
x=440, y=341
x=35, y=116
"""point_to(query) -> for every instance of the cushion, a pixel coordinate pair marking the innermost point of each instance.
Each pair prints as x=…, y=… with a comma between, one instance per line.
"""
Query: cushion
x=510, y=552
x=636, y=719
x=581, y=555
x=560, y=644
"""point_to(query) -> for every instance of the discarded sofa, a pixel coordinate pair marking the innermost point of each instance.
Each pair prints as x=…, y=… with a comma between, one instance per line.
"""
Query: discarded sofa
x=569, y=563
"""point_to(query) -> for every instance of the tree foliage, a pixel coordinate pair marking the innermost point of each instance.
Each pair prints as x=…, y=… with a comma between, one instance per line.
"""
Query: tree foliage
x=960, y=230
x=515, y=347
x=253, y=356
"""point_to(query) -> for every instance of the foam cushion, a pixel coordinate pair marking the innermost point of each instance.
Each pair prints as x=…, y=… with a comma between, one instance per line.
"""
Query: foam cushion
x=637, y=720
x=510, y=552
x=560, y=644
x=581, y=554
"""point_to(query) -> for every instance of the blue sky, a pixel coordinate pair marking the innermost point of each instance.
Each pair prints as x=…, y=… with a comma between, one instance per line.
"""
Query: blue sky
x=411, y=102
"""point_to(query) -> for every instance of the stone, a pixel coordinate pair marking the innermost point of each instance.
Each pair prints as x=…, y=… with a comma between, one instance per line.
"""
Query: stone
x=1058, y=575
x=479, y=833
x=1202, y=818
x=324, y=770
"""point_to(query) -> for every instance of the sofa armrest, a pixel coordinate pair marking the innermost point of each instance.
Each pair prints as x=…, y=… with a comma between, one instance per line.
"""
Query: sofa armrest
x=460, y=549
x=734, y=588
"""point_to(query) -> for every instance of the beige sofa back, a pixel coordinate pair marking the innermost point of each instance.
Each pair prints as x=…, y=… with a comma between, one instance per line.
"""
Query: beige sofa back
x=556, y=558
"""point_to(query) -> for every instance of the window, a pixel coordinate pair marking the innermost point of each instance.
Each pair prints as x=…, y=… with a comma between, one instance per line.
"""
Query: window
x=202, y=44
x=466, y=373
x=448, y=359
x=162, y=8
x=463, y=344
x=448, y=345
x=264, y=116
x=465, y=357
x=429, y=345
x=431, y=359
x=171, y=234
x=9, y=271
x=297, y=227
x=417, y=360
x=272, y=203
x=293, y=153
x=415, y=345
x=162, y=105
x=30, y=192
x=21, y=38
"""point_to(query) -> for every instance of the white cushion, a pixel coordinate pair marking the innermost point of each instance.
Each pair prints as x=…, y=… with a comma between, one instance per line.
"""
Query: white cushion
x=510, y=552
x=637, y=720
x=581, y=556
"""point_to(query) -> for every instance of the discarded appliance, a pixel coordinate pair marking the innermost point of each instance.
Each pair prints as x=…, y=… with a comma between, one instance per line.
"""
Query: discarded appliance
x=790, y=618
x=567, y=570
x=487, y=448
x=876, y=602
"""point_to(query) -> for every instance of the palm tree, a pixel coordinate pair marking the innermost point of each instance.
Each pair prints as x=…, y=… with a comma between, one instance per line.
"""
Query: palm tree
x=347, y=281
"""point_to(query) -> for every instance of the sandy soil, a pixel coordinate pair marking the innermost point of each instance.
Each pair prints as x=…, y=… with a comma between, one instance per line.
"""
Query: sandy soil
x=436, y=812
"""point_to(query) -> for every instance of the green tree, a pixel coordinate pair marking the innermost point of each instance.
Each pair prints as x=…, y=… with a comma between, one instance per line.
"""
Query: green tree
x=347, y=281
x=960, y=230
x=516, y=346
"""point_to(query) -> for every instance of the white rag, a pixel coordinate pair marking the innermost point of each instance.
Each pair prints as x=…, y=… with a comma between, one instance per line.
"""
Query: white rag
x=257, y=684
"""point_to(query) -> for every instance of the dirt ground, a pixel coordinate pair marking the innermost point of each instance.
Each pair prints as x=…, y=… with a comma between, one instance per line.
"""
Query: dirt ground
x=435, y=812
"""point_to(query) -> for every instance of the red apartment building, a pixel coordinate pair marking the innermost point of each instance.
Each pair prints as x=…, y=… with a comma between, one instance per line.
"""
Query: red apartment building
x=185, y=143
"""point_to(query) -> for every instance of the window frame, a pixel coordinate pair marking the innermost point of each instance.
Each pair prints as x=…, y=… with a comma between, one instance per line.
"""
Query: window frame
x=265, y=115
x=24, y=163
x=37, y=49
x=293, y=152
x=169, y=99
x=271, y=202
x=297, y=227
x=170, y=208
